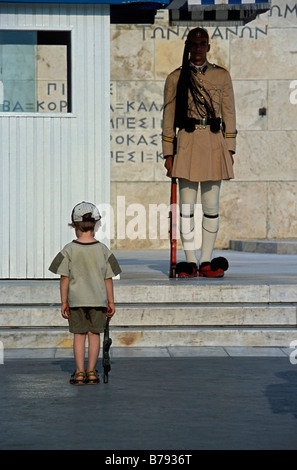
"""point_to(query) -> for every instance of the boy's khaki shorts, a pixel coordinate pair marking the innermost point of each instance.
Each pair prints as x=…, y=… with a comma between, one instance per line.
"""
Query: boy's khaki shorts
x=87, y=319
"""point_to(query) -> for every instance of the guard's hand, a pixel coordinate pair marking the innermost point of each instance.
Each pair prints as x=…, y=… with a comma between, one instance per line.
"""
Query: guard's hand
x=65, y=310
x=168, y=165
x=231, y=155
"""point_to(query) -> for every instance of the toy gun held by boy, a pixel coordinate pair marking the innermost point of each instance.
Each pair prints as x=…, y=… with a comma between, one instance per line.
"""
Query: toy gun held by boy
x=106, y=346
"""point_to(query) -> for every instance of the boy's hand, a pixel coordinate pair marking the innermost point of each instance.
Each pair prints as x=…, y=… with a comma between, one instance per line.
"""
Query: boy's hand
x=65, y=310
x=110, y=310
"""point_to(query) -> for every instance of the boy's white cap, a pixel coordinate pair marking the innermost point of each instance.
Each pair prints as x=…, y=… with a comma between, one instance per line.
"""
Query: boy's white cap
x=83, y=208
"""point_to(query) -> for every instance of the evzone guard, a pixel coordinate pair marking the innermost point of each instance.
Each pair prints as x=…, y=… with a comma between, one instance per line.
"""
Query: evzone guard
x=199, y=141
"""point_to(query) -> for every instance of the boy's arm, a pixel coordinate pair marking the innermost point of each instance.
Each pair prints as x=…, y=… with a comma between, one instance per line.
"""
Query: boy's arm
x=64, y=288
x=110, y=299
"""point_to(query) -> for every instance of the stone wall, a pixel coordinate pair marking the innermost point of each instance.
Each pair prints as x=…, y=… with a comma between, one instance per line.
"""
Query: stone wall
x=262, y=59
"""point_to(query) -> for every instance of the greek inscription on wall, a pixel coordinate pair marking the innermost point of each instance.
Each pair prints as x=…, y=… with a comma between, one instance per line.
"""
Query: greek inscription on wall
x=254, y=32
x=135, y=128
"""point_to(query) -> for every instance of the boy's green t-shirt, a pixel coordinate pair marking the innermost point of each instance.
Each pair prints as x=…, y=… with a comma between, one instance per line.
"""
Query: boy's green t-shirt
x=87, y=265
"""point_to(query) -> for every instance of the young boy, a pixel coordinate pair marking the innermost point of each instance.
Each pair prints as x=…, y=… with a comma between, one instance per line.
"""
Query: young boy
x=86, y=267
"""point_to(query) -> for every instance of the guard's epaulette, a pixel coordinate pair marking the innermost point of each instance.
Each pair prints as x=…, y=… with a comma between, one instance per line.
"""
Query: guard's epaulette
x=218, y=66
x=175, y=70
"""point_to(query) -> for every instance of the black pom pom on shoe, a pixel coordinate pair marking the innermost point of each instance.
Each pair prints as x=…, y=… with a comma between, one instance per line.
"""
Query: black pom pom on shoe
x=219, y=263
x=184, y=269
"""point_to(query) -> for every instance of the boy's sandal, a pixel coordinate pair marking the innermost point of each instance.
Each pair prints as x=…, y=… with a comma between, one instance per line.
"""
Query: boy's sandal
x=92, y=377
x=77, y=378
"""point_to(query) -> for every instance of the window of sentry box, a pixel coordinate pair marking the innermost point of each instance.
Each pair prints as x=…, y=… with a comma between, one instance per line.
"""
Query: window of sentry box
x=35, y=71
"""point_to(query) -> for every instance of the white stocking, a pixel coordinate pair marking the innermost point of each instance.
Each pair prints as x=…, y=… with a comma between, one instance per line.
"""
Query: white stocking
x=188, y=198
x=210, y=193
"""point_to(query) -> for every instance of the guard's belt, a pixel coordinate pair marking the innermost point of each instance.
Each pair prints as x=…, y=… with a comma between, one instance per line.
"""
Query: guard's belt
x=192, y=123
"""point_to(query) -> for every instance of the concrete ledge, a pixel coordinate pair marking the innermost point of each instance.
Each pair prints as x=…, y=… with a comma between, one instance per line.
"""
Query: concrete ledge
x=159, y=316
x=178, y=291
x=206, y=351
x=283, y=247
x=157, y=338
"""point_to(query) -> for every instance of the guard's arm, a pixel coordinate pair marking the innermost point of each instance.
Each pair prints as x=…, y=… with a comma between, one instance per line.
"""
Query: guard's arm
x=169, y=130
x=229, y=114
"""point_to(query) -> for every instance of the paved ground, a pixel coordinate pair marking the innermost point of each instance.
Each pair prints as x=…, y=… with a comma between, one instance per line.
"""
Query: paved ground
x=151, y=266
x=151, y=403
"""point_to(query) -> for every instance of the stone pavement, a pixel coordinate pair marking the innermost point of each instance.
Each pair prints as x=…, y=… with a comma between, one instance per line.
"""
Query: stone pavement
x=245, y=268
x=176, y=399
x=152, y=402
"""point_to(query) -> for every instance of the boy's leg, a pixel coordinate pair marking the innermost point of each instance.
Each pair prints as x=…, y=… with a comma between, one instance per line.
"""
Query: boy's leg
x=79, y=351
x=93, y=352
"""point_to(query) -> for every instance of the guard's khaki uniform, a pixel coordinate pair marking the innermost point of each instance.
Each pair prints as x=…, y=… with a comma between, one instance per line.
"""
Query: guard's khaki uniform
x=201, y=155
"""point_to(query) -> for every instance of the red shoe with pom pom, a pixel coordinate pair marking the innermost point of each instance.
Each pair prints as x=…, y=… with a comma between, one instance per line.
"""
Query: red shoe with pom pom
x=185, y=270
x=216, y=268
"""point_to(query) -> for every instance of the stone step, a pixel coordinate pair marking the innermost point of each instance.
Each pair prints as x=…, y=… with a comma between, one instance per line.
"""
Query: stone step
x=153, y=337
x=150, y=314
x=160, y=316
x=177, y=291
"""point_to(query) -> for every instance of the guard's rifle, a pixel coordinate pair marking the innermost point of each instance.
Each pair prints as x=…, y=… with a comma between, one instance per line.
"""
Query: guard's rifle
x=173, y=228
x=106, y=346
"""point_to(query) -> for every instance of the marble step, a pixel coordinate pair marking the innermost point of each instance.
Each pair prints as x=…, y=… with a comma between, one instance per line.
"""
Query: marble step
x=160, y=316
x=47, y=293
x=153, y=315
x=155, y=337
